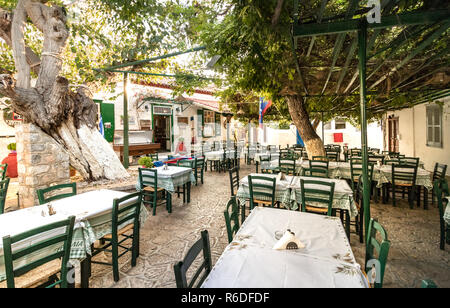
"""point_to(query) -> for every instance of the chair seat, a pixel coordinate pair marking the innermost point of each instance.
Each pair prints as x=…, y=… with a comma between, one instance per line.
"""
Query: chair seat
x=404, y=185
x=121, y=231
x=151, y=189
x=262, y=202
x=316, y=209
x=37, y=276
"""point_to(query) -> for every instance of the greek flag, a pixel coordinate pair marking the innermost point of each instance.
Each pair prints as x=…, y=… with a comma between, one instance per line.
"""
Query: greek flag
x=263, y=107
x=101, y=127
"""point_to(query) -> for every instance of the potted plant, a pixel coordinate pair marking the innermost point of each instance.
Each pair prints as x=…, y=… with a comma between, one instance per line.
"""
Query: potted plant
x=11, y=160
x=146, y=162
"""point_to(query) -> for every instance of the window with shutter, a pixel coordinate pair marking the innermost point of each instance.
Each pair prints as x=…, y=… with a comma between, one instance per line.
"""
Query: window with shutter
x=434, y=126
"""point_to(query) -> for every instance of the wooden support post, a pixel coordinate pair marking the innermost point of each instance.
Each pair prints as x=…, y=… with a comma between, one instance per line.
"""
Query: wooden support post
x=126, y=161
x=362, y=44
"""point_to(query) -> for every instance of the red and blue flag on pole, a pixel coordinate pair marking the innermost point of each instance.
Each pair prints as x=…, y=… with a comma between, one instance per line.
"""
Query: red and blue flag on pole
x=263, y=107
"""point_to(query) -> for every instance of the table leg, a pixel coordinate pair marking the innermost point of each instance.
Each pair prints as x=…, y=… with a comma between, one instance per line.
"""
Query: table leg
x=257, y=167
x=85, y=268
x=188, y=192
x=418, y=196
x=347, y=223
x=425, y=198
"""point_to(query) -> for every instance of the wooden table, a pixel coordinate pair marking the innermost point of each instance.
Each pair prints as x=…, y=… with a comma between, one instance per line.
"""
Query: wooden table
x=137, y=149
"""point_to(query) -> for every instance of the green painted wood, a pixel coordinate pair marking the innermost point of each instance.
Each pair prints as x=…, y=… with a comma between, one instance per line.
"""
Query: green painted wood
x=440, y=190
x=4, y=184
x=65, y=240
x=380, y=247
x=126, y=161
x=405, y=19
x=319, y=20
x=232, y=216
x=126, y=210
x=362, y=56
x=261, y=188
x=424, y=44
x=321, y=196
x=149, y=178
x=141, y=62
x=181, y=268
x=42, y=192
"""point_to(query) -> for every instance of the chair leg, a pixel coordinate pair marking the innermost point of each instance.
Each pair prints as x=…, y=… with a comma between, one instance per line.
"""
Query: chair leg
x=115, y=260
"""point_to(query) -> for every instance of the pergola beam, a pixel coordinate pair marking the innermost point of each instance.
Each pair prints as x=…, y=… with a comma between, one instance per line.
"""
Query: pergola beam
x=405, y=19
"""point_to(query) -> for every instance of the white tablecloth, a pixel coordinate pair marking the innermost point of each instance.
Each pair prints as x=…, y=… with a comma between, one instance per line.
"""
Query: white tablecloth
x=447, y=211
x=250, y=262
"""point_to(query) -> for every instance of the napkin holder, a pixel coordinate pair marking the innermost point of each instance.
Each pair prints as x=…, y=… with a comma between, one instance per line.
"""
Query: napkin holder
x=51, y=210
x=289, y=242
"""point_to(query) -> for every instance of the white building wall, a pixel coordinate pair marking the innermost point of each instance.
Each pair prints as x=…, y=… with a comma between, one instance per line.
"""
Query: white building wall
x=7, y=136
x=413, y=135
x=352, y=135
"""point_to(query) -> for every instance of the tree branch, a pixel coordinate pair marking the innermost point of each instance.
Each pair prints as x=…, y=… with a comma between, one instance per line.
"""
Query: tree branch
x=18, y=45
x=276, y=15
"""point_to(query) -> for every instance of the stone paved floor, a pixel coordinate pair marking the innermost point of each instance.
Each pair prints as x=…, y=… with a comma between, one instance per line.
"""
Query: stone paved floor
x=165, y=239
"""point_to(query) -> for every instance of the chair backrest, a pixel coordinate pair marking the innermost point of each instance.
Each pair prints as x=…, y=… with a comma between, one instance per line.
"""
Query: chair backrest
x=376, y=158
x=181, y=268
x=439, y=171
x=332, y=155
x=148, y=178
x=404, y=174
x=232, y=216
x=317, y=193
x=38, y=251
x=392, y=161
x=317, y=168
x=355, y=152
x=54, y=194
x=428, y=284
x=409, y=161
x=126, y=210
x=261, y=188
x=234, y=180
x=3, y=168
x=441, y=190
x=187, y=163
x=154, y=156
x=287, y=166
x=3, y=192
x=200, y=163
x=380, y=247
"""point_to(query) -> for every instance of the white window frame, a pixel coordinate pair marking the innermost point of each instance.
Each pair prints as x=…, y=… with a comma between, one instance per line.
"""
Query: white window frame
x=431, y=140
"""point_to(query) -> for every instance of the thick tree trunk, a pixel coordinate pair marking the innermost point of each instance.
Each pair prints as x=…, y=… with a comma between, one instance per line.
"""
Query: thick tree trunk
x=314, y=145
x=69, y=117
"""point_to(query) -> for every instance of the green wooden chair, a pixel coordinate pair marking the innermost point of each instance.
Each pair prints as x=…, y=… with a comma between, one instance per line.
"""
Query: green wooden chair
x=199, y=170
x=234, y=180
x=151, y=193
x=46, y=262
x=409, y=161
x=355, y=152
x=332, y=155
x=54, y=194
x=287, y=166
x=262, y=190
x=428, y=284
x=154, y=156
x=125, y=227
x=317, y=168
x=232, y=215
x=439, y=173
x=3, y=192
x=3, y=168
x=186, y=163
x=392, y=161
x=403, y=177
x=181, y=268
x=316, y=193
x=374, y=159
x=265, y=162
x=441, y=190
x=380, y=247
x=356, y=171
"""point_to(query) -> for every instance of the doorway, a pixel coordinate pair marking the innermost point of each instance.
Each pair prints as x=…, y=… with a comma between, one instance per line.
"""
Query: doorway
x=393, y=126
x=163, y=132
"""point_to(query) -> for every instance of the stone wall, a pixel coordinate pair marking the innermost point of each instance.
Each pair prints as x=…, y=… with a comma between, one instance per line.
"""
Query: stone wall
x=40, y=163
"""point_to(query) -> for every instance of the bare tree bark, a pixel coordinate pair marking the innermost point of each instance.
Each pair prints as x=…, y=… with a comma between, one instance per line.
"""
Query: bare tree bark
x=314, y=145
x=276, y=15
x=69, y=117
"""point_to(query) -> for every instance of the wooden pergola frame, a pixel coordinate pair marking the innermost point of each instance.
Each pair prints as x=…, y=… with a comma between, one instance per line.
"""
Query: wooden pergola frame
x=350, y=24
